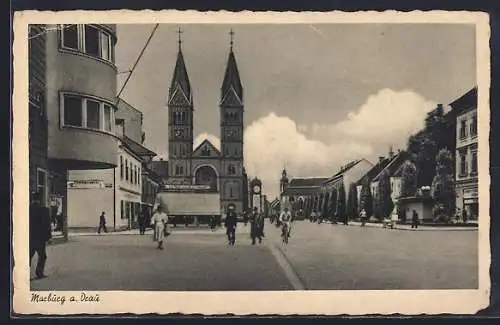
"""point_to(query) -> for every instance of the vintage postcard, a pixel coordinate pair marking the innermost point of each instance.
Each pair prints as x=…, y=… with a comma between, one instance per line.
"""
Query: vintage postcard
x=251, y=163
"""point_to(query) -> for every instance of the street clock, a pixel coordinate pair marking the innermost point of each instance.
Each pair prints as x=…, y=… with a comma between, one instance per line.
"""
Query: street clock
x=256, y=189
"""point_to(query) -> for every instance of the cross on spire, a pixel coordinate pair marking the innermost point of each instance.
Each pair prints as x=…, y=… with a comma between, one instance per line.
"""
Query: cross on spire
x=231, y=35
x=179, y=31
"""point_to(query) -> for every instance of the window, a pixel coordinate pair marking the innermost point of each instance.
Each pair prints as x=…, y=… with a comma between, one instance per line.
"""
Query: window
x=106, y=46
x=126, y=169
x=121, y=167
x=73, y=111
x=107, y=118
x=41, y=185
x=181, y=169
x=474, y=162
x=87, y=112
x=463, y=129
x=473, y=126
x=463, y=164
x=230, y=192
x=70, y=36
x=93, y=115
x=89, y=39
x=122, y=209
x=176, y=170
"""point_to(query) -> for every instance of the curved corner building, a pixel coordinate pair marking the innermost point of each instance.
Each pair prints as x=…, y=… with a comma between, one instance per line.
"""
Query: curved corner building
x=80, y=102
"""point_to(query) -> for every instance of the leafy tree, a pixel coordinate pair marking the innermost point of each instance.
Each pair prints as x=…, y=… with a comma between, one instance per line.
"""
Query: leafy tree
x=365, y=200
x=385, y=204
x=326, y=203
x=332, y=207
x=341, y=202
x=352, y=201
x=409, y=179
x=426, y=161
x=442, y=189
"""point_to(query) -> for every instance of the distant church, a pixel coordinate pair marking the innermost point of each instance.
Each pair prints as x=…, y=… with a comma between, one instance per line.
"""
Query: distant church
x=222, y=170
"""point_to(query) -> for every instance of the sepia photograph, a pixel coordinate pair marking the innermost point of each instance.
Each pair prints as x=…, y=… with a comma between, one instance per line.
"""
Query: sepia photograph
x=188, y=156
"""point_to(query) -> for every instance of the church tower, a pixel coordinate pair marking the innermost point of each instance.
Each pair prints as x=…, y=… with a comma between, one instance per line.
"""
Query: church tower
x=180, y=123
x=231, y=133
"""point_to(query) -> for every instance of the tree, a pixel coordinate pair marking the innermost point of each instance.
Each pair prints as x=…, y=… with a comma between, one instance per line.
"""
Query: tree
x=365, y=200
x=341, y=202
x=426, y=160
x=352, y=201
x=442, y=189
x=385, y=204
x=333, y=204
x=409, y=179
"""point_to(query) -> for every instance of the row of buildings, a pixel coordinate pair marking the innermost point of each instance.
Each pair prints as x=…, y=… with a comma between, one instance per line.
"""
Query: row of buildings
x=461, y=139
x=86, y=145
x=86, y=152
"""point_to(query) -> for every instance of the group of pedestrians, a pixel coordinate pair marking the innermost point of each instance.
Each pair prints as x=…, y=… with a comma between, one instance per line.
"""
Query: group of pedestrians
x=255, y=218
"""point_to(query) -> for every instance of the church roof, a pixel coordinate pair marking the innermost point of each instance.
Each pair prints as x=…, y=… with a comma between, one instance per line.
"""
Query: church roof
x=232, y=78
x=180, y=78
x=206, y=149
x=307, y=182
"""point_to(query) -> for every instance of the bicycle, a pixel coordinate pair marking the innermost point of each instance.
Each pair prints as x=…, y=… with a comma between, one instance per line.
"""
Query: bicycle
x=285, y=233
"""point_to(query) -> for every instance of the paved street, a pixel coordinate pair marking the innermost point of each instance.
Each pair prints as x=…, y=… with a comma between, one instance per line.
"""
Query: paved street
x=318, y=257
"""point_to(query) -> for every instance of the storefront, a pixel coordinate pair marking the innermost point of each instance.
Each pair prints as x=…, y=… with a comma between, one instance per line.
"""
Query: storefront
x=470, y=202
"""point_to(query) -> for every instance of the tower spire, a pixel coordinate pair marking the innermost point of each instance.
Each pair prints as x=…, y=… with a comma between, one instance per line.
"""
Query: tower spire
x=232, y=80
x=179, y=32
x=231, y=39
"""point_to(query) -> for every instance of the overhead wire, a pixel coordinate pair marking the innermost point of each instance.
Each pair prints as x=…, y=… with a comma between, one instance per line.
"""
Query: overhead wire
x=137, y=61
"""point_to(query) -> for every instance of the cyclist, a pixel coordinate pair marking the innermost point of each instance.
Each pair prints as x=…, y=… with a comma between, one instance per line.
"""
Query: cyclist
x=286, y=219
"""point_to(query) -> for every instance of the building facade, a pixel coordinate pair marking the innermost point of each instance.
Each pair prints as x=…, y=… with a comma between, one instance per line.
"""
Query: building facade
x=466, y=173
x=37, y=129
x=222, y=170
x=72, y=86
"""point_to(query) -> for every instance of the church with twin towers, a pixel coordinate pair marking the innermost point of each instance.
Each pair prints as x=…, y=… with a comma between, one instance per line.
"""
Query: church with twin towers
x=221, y=170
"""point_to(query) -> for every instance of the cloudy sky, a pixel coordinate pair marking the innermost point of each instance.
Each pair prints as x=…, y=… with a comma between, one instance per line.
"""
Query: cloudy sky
x=316, y=96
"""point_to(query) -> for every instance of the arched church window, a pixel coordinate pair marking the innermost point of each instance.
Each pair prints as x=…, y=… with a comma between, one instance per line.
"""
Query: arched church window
x=183, y=116
x=231, y=192
x=182, y=170
x=176, y=170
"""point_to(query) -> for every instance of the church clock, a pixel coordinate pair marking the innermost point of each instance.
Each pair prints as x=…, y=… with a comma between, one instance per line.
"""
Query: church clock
x=178, y=133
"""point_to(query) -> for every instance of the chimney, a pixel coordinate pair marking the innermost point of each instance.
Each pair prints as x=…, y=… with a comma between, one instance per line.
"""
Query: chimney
x=380, y=159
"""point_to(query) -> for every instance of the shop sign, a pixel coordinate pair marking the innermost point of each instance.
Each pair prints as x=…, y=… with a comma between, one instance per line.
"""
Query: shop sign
x=470, y=193
x=85, y=184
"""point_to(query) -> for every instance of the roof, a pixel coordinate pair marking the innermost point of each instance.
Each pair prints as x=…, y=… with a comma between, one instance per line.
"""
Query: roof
x=232, y=78
x=372, y=173
x=137, y=148
x=160, y=167
x=394, y=163
x=465, y=102
x=347, y=167
x=307, y=182
x=207, y=144
x=180, y=77
x=121, y=100
x=300, y=191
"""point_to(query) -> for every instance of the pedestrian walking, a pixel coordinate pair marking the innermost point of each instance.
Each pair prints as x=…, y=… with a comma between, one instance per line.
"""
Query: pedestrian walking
x=142, y=223
x=39, y=233
x=159, y=222
x=414, y=220
x=363, y=216
x=230, y=223
x=102, y=223
x=255, y=226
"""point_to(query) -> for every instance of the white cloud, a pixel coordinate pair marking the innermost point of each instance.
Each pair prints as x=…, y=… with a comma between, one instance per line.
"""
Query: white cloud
x=386, y=118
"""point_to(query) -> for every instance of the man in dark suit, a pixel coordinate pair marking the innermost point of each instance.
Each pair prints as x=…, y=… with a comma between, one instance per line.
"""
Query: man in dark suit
x=40, y=233
x=231, y=222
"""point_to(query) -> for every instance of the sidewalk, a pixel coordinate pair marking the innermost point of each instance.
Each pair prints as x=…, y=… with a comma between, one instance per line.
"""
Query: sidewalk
x=408, y=227
x=174, y=231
